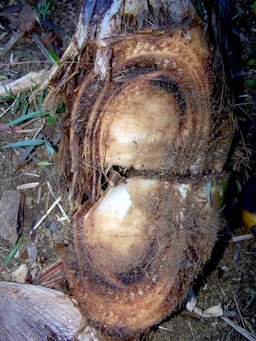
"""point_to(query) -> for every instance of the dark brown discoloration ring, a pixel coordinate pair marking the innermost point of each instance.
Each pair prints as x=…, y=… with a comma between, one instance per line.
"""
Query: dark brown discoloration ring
x=167, y=84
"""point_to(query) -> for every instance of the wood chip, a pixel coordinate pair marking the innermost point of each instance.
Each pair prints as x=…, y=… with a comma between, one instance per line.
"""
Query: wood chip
x=32, y=174
x=242, y=238
x=9, y=208
x=22, y=84
x=27, y=186
x=44, y=216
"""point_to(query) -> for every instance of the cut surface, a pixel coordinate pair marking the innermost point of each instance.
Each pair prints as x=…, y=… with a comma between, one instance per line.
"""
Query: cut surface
x=145, y=105
x=143, y=122
x=138, y=249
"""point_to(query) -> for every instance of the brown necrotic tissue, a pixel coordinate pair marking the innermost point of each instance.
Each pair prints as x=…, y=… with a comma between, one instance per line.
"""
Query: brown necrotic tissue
x=144, y=103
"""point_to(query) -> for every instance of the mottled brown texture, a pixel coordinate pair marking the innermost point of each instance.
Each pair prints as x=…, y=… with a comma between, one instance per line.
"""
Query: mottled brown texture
x=126, y=282
x=144, y=101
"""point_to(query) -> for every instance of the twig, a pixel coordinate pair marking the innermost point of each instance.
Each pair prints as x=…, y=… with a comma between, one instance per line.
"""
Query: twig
x=166, y=329
x=44, y=216
x=27, y=186
x=39, y=195
x=22, y=84
x=32, y=174
x=59, y=205
x=11, y=42
x=241, y=238
x=249, y=336
x=239, y=311
x=11, y=106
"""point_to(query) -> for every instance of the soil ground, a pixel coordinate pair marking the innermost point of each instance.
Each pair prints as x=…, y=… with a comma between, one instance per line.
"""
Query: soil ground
x=231, y=281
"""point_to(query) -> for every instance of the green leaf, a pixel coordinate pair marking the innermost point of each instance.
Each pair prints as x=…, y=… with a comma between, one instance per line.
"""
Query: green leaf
x=43, y=163
x=61, y=108
x=52, y=119
x=252, y=62
x=50, y=55
x=29, y=116
x=54, y=56
x=24, y=143
x=250, y=83
x=12, y=252
x=254, y=8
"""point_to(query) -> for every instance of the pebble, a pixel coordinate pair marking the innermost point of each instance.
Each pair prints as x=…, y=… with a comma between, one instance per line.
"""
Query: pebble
x=32, y=253
x=19, y=275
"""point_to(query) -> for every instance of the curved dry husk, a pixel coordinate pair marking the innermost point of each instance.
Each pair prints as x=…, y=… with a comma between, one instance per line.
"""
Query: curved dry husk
x=29, y=312
x=143, y=99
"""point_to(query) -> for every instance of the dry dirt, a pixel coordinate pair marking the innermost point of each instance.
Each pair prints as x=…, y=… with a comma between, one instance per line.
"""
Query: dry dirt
x=231, y=281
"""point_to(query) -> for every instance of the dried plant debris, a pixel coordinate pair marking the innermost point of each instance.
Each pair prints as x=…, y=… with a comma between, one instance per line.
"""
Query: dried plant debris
x=39, y=313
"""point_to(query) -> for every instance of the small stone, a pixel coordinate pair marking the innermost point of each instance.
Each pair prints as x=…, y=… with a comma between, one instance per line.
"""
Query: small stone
x=20, y=274
x=53, y=226
x=32, y=253
x=9, y=208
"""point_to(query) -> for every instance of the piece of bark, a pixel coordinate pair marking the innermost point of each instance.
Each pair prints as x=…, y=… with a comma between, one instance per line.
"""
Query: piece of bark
x=9, y=208
x=32, y=312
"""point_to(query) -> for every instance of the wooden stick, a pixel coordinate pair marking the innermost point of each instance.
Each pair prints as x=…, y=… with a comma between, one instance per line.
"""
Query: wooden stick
x=31, y=79
x=241, y=238
x=13, y=40
x=47, y=213
x=249, y=336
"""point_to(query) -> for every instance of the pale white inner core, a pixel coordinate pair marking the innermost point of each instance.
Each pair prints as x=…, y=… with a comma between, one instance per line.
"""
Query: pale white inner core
x=116, y=202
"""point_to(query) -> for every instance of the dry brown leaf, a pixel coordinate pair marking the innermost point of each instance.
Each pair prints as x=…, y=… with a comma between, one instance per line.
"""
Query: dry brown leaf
x=27, y=18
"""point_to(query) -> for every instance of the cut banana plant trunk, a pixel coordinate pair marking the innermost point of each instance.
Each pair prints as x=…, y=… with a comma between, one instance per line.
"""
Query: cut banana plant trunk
x=148, y=134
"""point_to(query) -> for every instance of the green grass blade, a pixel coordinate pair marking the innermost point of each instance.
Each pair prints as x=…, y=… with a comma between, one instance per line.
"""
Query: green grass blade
x=26, y=117
x=50, y=55
x=28, y=143
x=12, y=252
